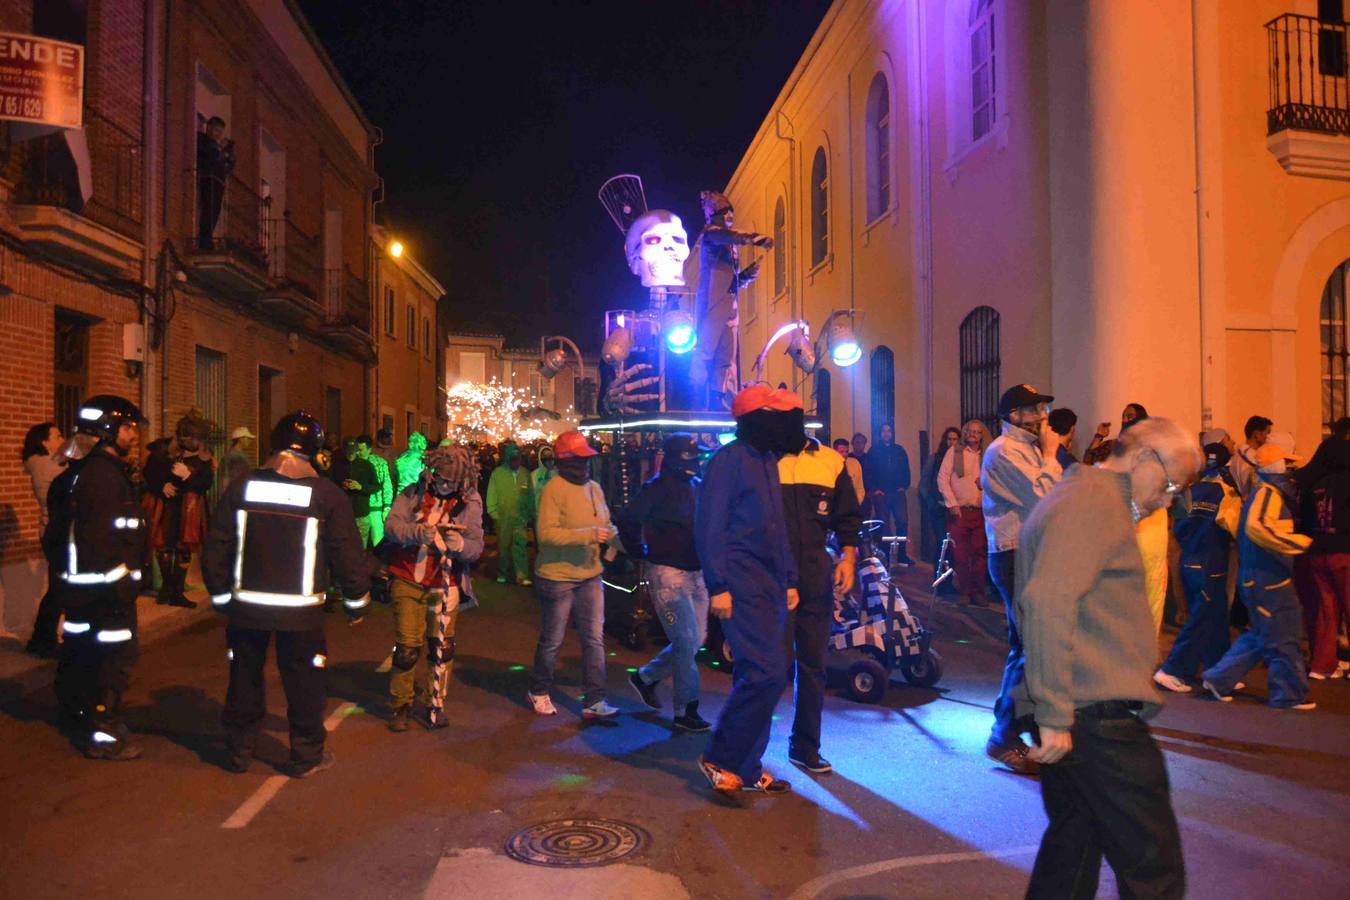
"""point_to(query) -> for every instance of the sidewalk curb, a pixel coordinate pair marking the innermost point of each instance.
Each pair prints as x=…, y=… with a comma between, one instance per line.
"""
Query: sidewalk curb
x=33, y=674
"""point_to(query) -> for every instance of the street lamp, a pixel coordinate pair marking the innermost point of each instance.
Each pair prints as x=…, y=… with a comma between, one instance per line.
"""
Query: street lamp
x=395, y=249
x=619, y=325
x=840, y=342
x=552, y=361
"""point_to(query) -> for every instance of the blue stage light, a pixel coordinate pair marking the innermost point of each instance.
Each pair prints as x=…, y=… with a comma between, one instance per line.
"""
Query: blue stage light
x=846, y=354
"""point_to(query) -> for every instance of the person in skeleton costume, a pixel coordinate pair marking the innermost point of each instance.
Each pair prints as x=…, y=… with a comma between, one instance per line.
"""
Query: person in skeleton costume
x=437, y=527
x=716, y=365
x=175, y=504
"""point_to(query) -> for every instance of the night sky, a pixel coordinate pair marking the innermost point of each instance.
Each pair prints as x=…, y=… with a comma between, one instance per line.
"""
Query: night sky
x=501, y=121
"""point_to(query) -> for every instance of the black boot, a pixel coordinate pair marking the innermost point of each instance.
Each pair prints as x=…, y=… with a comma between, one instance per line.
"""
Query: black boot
x=177, y=597
x=107, y=737
x=691, y=720
x=399, y=720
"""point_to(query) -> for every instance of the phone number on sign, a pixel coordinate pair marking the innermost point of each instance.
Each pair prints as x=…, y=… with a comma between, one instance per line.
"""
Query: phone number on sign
x=28, y=107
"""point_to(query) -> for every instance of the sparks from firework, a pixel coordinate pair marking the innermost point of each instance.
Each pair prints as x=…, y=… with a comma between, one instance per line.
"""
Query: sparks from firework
x=496, y=412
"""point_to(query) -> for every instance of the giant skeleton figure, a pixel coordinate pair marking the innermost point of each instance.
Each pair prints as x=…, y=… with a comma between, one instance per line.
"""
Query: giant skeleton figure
x=716, y=363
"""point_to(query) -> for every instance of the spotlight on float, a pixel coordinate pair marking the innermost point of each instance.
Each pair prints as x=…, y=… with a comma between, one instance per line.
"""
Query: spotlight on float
x=552, y=361
x=840, y=341
x=800, y=350
x=619, y=324
x=678, y=328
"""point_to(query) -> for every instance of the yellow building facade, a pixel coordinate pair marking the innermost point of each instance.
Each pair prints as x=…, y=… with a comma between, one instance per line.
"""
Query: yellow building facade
x=1117, y=202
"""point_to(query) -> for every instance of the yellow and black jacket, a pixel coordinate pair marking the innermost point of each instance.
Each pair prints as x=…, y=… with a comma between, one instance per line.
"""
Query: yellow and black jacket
x=818, y=498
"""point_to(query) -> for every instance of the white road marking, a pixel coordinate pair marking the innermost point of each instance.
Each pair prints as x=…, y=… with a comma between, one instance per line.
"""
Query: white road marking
x=816, y=886
x=273, y=785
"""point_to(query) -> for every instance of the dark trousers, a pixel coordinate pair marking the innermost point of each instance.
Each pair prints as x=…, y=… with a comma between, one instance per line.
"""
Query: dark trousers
x=210, y=197
x=301, y=657
x=98, y=651
x=1203, y=640
x=890, y=506
x=810, y=626
x=49, y=610
x=758, y=676
x=1109, y=796
x=1006, y=726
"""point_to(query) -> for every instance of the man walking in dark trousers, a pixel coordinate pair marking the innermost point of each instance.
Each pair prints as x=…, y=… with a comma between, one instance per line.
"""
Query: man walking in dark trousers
x=886, y=474
x=1090, y=649
x=278, y=538
x=818, y=497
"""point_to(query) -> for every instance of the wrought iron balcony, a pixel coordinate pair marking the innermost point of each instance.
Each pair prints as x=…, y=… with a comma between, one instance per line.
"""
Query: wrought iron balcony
x=51, y=174
x=1308, y=113
x=229, y=253
x=1308, y=89
x=348, y=313
x=293, y=269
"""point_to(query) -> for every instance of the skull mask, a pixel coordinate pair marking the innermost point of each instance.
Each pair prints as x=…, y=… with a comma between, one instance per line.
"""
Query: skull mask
x=657, y=247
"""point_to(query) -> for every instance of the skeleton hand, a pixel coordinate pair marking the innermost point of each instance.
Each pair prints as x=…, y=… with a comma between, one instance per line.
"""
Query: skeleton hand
x=763, y=240
x=621, y=397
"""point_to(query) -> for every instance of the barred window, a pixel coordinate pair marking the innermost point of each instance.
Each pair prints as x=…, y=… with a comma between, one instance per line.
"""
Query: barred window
x=779, y=248
x=1334, y=353
x=980, y=367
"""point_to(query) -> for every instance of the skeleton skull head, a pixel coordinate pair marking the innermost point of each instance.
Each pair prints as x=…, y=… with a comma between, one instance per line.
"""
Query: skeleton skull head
x=657, y=247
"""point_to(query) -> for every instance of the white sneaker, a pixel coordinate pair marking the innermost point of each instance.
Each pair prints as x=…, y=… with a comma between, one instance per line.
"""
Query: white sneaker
x=1171, y=682
x=1303, y=706
x=543, y=704
x=599, y=710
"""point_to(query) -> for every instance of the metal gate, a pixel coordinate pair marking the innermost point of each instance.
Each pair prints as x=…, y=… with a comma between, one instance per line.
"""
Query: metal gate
x=883, y=390
x=211, y=399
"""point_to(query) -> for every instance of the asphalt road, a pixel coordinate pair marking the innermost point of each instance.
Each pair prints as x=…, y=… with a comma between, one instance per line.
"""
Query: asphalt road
x=913, y=809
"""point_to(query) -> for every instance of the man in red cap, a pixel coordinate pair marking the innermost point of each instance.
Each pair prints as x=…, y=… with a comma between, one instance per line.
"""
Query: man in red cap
x=741, y=533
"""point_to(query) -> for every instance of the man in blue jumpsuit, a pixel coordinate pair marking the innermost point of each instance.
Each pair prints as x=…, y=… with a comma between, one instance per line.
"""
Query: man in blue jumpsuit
x=1205, y=533
x=1267, y=545
x=740, y=531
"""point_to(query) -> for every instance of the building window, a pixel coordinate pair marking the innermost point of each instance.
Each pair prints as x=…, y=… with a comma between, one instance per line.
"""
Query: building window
x=1334, y=353
x=983, y=88
x=883, y=390
x=70, y=368
x=211, y=396
x=473, y=367
x=412, y=327
x=410, y=421
x=980, y=367
x=878, y=124
x=822, y=398
x=820, y=208
x=779, y=247
x=390, y=312
x=426, y=337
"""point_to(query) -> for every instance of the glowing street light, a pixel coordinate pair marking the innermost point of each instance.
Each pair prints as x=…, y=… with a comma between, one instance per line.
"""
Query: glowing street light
x=395, y=249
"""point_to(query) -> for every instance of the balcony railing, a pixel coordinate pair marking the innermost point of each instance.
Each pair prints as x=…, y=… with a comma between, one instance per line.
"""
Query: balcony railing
x=1308, y=68
x=292, y=255
x=48, y=175
x=241, y=226
x=348, y=304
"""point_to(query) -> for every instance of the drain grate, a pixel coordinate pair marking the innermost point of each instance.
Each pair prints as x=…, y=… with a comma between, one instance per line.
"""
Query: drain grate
x=575, y=843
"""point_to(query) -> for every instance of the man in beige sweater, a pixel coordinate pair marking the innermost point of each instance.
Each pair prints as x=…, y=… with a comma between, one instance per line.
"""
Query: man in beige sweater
x=1090, y=649
x=575, y=538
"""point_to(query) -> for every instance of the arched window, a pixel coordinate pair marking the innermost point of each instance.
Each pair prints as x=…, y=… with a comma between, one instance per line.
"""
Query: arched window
x=823, y=404
x=980, y=367
x=779, y=248
x=820, y=208
x=883, y=390
x=1334, y=353
x=878, y=139
x=983, y=88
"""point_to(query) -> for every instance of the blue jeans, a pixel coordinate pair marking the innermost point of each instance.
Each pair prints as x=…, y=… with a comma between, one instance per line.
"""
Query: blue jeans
x=584, y=602
x=756, y=632
x=681, y=602
x=1006, y=728
x=1203, y=640
x=1273, y=636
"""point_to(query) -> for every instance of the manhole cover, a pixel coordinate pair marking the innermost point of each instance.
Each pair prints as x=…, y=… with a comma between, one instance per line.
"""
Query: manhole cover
x=576, y=842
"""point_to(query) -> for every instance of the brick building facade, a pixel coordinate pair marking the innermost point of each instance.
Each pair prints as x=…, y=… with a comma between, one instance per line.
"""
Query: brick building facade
x=116, y=292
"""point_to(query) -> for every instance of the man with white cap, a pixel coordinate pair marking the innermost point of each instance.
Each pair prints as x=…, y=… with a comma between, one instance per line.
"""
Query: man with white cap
x=1267, y=546
x=238, y=462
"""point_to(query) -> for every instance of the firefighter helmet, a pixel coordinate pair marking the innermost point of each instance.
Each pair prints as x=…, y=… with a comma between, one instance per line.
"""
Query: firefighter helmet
x=298, y=433
x=104, y=415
